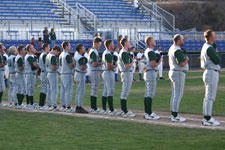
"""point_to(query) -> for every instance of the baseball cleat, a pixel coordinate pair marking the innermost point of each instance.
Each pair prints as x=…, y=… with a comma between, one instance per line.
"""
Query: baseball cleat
x=114, y=113
x=103, y=112
x=70, y=110
x=62, y=109
x=177, y=119
x=128, y=115
x=81, y=110
x=147, y=117
x=2, y=105
x=154, y=116
x=211, y=122
x=10, y=105
x=95, y=112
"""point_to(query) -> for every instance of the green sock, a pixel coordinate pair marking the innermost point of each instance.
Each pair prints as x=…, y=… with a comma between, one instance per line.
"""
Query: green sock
x=149, y=105
x=207, y=117
x=22, y=96
x=145, y=104
x=18, y=98
x=44, y=98
x=93, y=102
x=41, y=99
x=1, y=93
x=174, y=114
x=124, y=105
x=31, y=99
x=104, y=100
x=27, y=98
x=110, y=101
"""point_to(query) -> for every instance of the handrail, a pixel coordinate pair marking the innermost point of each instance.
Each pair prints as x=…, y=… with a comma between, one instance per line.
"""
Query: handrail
x=165, y=15
x=88, y=15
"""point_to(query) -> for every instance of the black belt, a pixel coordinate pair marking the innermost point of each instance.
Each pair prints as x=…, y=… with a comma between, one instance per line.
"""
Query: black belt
x=12, y=72
x=43, y=71
x=151, y=70
x=127, y=71
x=80, y=71
x=180, y=71
x=213, y=70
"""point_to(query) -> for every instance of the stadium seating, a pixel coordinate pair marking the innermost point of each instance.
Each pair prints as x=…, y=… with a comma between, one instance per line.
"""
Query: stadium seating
x=190, y=45
x=111, y=10
x=26, y=10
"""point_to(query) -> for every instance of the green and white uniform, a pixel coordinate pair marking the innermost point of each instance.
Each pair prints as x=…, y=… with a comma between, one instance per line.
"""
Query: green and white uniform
x=20, y=79
x=177, y=76
x=43, y=79
x=210, y=60
x=12, y=79
x=30, y=77
x=2, y=73
x=52, y=79
x=79, y=77
x=109, y=81
x=66, y=90
x=150, y=77
x=95, y=76
x=126, y=76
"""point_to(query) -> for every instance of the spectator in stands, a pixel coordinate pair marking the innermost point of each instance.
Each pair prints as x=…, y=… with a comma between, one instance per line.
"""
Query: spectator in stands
x=53, y=36
x=33, y=42
x=40, y=42
x=46, y=35
x=102, y=36
x=118, y=42
x=96, y=35
x=136, y=5
x=141, y=63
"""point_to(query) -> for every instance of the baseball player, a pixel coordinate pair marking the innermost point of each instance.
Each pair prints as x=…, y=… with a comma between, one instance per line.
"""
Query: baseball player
x=79, y=77
x=66, y=67
x=43, y=75
x=125, y=63
x=178, y=62
x=52, y=66
x=12, y=77
x=88, y=70
x=141, y=64
x=150, y=76
x=6, y=57
x=30, y=76
x=116, y=54
x=210, y=60
x=95, y=65
x=132, y=51
x=20, y=76
x=2, y=69
x=109, y=64
x=158, y=52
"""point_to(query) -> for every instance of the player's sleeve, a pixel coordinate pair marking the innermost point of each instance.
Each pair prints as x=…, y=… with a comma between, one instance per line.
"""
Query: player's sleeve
x=108, y=58
x=30, y=60
x=20, y=62
x=69, y=59
x=152, y=56
x=213, y=55
x=53, y=60
x=1, y=59
x=179, y=56
x=125, y=58
x=44, y=58
x=93, y=57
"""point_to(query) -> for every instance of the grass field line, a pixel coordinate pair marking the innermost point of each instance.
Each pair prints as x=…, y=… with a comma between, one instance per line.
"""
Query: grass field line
x=191, y=123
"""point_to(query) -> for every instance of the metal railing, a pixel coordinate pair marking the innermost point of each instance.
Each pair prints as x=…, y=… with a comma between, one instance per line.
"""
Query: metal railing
x=167, y=19
x=86, y=17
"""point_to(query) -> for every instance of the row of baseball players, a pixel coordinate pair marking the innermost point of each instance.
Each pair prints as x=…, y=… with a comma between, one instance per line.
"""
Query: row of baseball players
x=178, y=60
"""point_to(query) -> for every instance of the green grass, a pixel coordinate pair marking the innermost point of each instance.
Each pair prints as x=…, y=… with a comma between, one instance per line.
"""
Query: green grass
x=35, y=131
x=191, y=102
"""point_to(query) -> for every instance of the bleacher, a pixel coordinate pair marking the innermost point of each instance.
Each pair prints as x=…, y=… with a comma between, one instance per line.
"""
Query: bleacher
x=111, y=10
x=27, y=10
